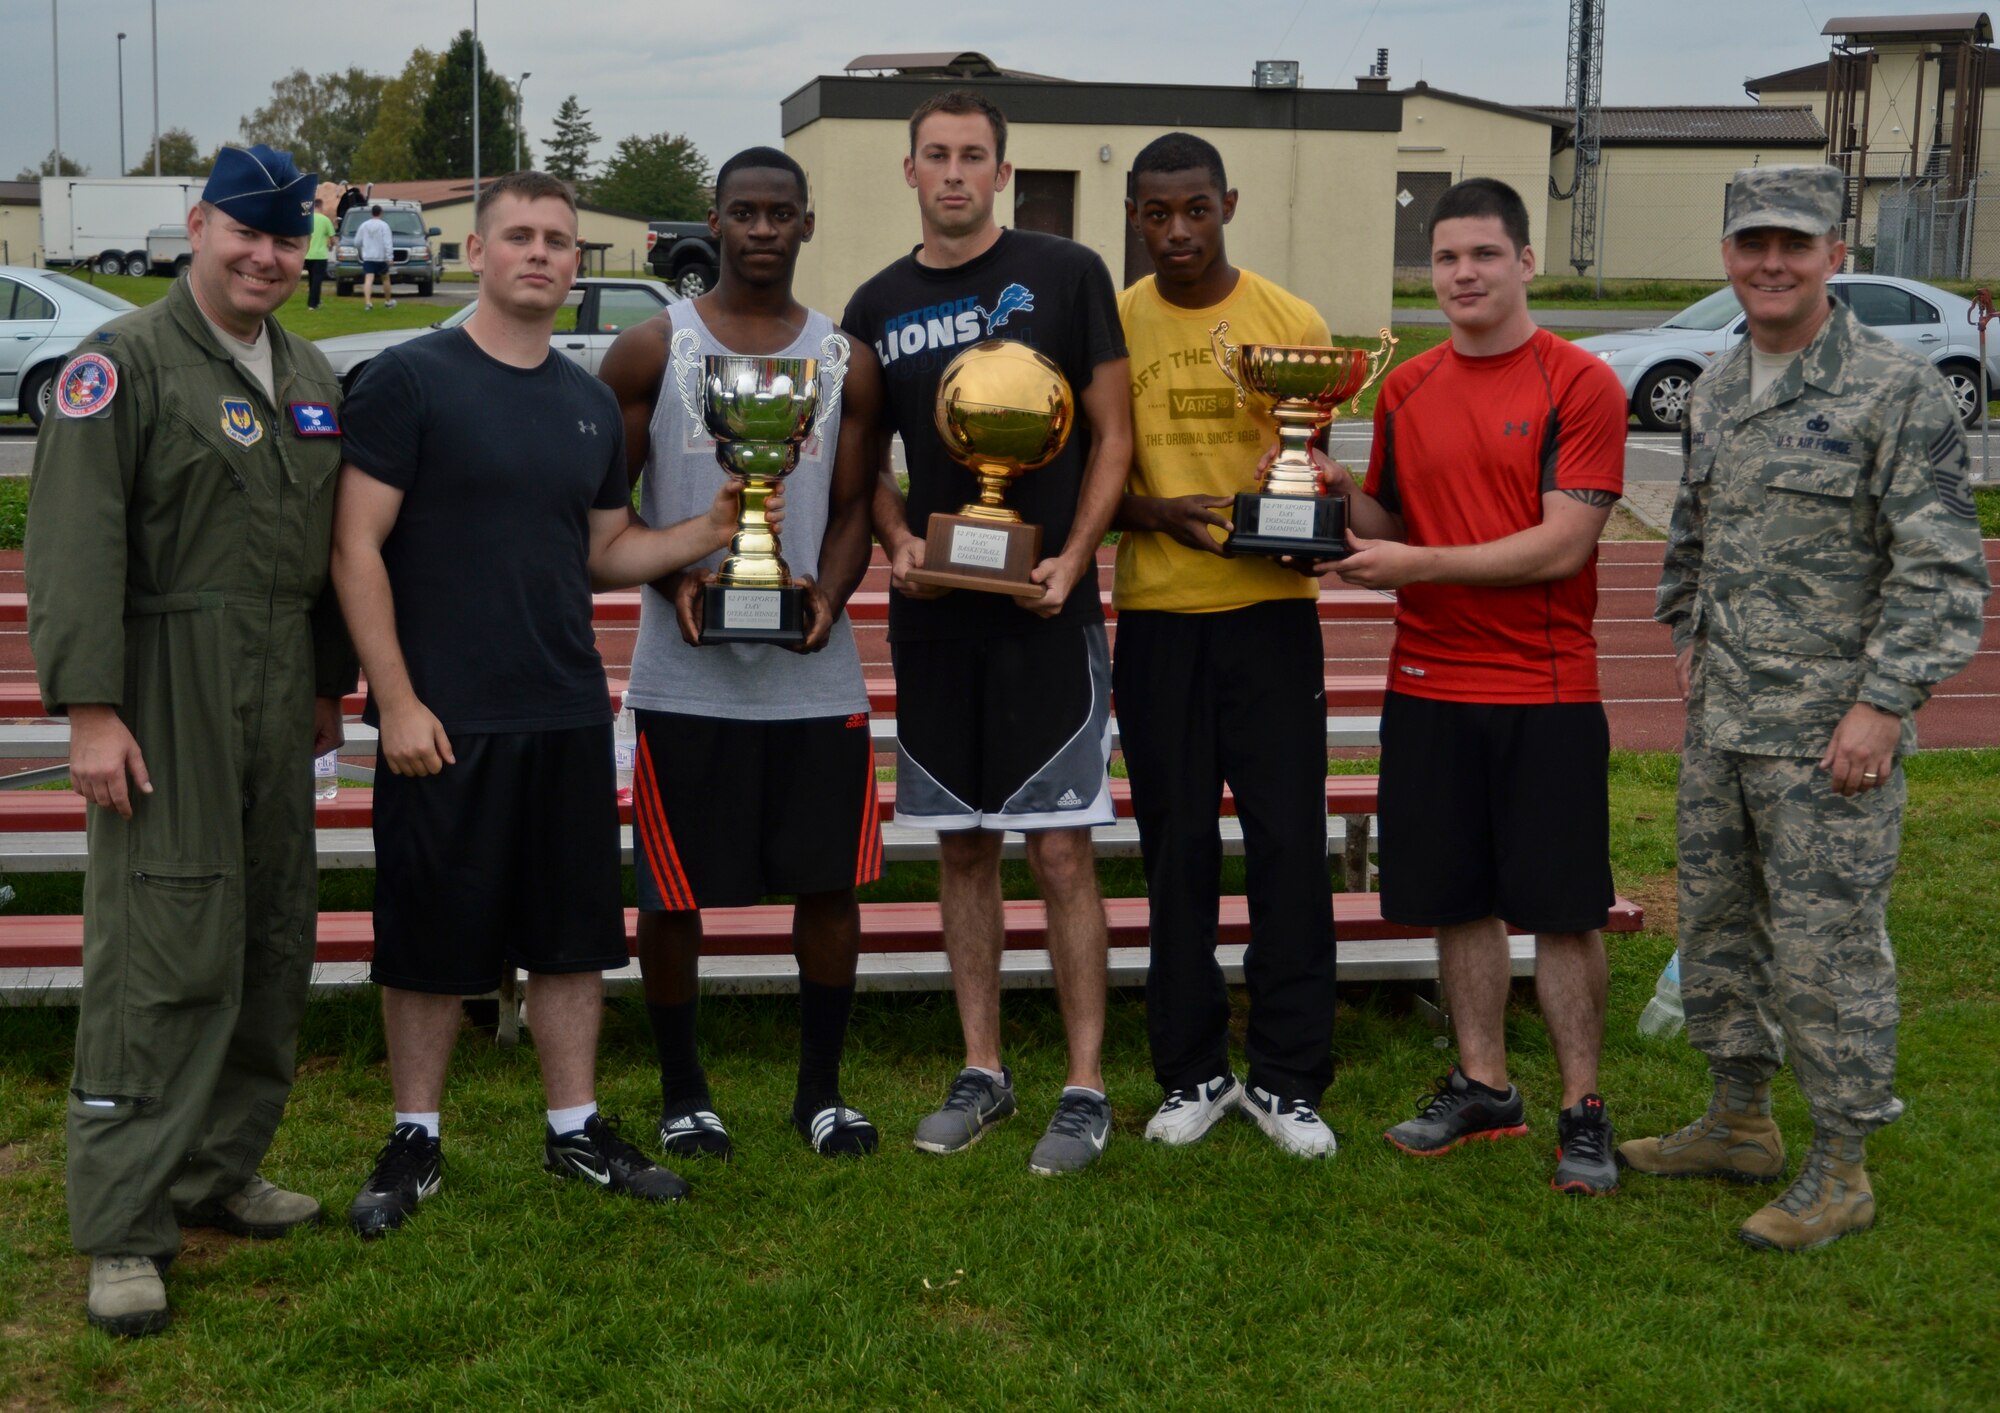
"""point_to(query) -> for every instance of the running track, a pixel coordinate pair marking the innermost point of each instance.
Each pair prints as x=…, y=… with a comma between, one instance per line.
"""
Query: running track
x=1634, y=656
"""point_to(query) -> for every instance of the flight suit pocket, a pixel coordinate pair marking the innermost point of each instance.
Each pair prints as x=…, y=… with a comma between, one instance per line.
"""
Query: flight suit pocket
x=1808, y=512
x=184, y=938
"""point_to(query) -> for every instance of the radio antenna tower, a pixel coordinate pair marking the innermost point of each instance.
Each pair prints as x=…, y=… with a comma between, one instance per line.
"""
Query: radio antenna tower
x=1583, y=95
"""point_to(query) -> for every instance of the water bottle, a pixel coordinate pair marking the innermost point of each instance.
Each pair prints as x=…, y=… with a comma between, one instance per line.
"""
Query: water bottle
x=326, y=776
x=624, y=749
x=1663, y=1015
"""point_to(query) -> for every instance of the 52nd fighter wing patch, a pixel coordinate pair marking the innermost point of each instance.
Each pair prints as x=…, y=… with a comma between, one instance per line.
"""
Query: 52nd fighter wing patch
x=86, y=386
x=1947, y=458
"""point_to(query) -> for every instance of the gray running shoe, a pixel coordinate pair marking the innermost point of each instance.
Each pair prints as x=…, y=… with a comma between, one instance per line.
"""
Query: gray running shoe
x=1075, y=1137
x=976, y=1103
x=1584, y=1162
x=1459, y=1111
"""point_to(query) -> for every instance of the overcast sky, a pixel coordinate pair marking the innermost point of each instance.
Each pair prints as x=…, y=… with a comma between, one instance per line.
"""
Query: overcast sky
x=717, y=72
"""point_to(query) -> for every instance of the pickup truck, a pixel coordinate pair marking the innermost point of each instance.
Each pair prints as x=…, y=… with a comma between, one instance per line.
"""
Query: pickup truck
x=683, y=254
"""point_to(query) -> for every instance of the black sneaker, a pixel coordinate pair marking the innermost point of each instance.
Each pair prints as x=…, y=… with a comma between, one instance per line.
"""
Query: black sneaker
x=1459, y=1111
x=409, y=1168
x=597, y=1154
x=835, y=1130
x=694, y=1133
x=1584, y=1161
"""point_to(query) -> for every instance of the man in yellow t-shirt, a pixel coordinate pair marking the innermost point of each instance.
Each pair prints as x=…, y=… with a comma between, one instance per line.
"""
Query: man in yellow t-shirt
x=318, y=247
x=1218, y=678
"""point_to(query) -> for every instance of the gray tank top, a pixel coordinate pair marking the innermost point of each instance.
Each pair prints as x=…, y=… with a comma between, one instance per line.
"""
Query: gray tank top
x=748, y=681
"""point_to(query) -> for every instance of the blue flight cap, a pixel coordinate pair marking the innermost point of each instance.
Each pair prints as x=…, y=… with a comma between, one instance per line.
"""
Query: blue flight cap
x=261, y=187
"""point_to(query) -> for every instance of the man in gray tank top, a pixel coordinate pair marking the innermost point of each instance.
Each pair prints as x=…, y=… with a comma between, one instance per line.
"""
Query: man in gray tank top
x=755, y=772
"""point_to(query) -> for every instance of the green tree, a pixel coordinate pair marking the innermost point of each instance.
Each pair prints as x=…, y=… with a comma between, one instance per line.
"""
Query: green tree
x=180, y=156
x=387, y=154
x=320, y=120
x=47, y=168
x=662, y=178
x=569, y=149
x=442, y=145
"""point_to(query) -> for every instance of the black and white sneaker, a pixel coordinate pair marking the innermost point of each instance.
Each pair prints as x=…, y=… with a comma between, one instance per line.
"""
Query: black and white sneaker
x=694, y=1133
x=1293, y=1124
x=596, y=1153
x=409, y=1168
x=837, y=1131
x=1188, y=1114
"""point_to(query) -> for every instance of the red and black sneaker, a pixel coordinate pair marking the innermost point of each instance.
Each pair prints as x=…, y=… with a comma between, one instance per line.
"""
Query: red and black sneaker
x=1584, y=1147
x=1460, y=1110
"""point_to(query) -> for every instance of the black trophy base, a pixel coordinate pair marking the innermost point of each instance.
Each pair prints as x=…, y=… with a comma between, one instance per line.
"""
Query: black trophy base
x=736, y=615
x=1300, y=527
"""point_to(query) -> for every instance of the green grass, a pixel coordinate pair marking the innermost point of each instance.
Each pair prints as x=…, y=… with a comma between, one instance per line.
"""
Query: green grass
x=334, y=316
x=1219, y=1276
x=1988, y=501
x=1551, y=291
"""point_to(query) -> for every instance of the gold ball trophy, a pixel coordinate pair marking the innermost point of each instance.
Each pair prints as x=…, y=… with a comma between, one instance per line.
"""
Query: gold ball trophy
x=760, y=411
x=1002, y=409
x=1287, y=515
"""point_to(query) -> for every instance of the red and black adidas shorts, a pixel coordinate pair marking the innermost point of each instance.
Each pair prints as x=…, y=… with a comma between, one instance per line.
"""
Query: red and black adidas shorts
x=727, y=812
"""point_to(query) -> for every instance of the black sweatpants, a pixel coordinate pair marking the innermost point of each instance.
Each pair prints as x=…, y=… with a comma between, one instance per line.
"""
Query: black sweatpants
x=315, y=277
x=1237, y=697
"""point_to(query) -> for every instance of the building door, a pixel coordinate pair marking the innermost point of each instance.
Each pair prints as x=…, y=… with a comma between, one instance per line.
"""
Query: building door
x=1045, y=202
x=1417, y=195
x=1138, y=264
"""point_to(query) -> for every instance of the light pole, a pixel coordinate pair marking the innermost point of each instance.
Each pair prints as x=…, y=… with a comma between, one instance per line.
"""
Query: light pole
x=519, y=142
x=121, y=103
x=55, y=74
x=475, y=101
x=155, y=8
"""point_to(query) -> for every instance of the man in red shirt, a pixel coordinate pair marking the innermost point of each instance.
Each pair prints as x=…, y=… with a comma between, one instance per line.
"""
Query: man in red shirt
x=1497, y=458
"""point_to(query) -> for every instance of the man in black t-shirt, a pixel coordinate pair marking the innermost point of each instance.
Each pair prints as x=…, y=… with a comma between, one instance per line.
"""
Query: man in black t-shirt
x=1003, y=704
x=484, y=496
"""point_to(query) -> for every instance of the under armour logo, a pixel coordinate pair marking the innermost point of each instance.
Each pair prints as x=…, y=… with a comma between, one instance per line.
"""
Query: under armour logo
x=1508, y=429
x=590, y=427
x=1818, y=424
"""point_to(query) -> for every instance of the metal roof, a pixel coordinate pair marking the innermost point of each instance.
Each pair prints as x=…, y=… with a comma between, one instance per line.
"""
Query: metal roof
x=1735, y=125
x=1811, y=78
x=1955, y=24
x=942, y=63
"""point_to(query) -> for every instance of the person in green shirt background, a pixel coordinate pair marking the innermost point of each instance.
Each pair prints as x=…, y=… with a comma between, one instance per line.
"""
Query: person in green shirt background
x=318, y=248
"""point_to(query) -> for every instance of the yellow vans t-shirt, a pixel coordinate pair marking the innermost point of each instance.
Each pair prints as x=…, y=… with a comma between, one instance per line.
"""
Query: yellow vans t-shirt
x=1189, y=438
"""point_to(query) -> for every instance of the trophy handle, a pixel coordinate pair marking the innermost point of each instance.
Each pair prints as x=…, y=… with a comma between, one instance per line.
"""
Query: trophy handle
x=1378, y=364
x=686, y=368
x=1225, y=358
x=833, y=354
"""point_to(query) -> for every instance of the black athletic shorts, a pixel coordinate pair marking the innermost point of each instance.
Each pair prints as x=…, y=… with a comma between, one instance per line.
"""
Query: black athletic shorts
x=509, y=857
x=726, y=812
x=1004, y=733
x=375, y=267
x=1495, y=811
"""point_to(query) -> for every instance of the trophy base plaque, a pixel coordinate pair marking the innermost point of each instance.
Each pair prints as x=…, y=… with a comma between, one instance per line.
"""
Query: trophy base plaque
x=967, y=552
x=730, y=614
x=1305, y=527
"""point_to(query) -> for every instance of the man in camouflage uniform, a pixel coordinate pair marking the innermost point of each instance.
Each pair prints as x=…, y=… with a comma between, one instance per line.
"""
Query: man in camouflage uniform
x=1823, y=575
x=178, y=530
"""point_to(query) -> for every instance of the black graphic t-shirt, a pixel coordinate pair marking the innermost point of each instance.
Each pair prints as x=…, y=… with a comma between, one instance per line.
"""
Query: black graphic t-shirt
x=1049, y=293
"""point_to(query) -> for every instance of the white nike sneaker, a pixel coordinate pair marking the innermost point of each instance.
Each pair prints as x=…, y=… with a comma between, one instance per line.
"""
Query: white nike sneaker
x=1292, y=1124
x=1190, y=1113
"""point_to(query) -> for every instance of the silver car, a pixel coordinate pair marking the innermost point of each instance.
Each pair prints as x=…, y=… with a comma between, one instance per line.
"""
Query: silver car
x=43, y=316
x=598, y=310
x=1657, y=366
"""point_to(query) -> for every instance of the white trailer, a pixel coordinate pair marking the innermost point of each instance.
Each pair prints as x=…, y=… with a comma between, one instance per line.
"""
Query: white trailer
x=103, y=222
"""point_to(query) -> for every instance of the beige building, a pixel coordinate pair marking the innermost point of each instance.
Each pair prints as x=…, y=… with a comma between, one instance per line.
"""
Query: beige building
x=1316, y=169
x=20, y=223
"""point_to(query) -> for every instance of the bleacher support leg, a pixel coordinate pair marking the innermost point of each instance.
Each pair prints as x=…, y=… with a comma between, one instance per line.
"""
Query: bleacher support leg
x=1355, y=852
x=507, y=1025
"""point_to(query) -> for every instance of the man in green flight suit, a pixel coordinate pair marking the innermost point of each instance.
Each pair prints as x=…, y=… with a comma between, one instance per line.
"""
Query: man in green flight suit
x=1824, y=573
x=179, y=612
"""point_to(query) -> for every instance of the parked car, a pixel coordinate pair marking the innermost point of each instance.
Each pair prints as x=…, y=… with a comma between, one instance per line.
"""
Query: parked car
x=683, y=254
x=1658, y=366
x=410, y=257
x=44, y=314
x=598, y=310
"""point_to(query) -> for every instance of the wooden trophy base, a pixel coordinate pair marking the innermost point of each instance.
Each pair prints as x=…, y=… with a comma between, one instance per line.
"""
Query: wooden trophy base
x=966, y=552
x=1301, y=527
x=736, y=615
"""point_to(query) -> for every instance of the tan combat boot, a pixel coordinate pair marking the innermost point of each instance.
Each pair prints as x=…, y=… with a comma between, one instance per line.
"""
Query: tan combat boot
x=1830, y=1199
x=260, y=1209
x=1737, y=1139
x=127, y=1296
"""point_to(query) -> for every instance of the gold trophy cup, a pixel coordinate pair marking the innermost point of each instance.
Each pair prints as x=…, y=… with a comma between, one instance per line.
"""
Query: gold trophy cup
x=1002, y=409
x=1286, y=515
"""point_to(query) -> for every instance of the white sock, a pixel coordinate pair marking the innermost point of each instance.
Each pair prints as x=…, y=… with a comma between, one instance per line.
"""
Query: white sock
x=563, y=1121
x=428, y=1122
x=1069, y=1089
x=997, y=1076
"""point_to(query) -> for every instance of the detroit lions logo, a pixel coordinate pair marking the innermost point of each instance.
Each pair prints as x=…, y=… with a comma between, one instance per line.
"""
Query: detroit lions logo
x=1015, y=299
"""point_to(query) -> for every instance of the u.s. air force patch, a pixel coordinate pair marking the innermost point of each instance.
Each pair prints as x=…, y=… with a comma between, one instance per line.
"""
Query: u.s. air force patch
x=87, y=385
x=239, y=421
x=1947, y=457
